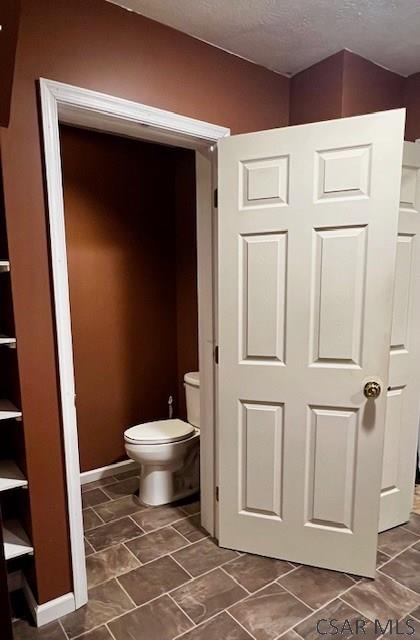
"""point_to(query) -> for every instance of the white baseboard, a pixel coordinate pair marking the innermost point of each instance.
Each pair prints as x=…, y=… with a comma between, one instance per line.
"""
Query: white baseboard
x=49, y=611
x=110, y=470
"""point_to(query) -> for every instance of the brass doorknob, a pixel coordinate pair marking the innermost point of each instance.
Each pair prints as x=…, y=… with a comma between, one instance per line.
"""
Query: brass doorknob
x=372, y=389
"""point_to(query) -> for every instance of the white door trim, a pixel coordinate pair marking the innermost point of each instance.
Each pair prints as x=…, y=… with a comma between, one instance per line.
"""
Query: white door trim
x=82, y=107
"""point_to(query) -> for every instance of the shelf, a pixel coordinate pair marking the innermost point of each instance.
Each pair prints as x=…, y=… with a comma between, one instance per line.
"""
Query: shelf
x=8, y=411
x=11, y=477
x=4, y=265
x=16, y=542
x=8, y=342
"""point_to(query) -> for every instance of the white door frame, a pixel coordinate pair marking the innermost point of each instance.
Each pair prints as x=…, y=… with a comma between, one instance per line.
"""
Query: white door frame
x=62, y=103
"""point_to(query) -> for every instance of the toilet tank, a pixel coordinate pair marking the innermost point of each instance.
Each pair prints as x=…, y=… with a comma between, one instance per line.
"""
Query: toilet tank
x=192, y=393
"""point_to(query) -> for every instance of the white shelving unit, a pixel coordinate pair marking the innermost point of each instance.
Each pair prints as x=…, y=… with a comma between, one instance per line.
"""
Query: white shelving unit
x=16, y=542
x=8, y=411
x=8, y=342
x=11, y=477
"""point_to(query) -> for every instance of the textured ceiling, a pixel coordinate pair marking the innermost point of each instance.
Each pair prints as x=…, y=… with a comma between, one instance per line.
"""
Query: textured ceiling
x=290, y=35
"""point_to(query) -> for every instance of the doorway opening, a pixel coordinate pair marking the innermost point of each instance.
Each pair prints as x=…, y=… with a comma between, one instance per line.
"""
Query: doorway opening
x=130, y=220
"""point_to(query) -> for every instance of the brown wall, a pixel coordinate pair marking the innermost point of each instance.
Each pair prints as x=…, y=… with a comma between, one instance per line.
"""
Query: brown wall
x=130, y=231
x=368, y=87
x=316, y=92
x=9, y=21
x=346, y=84
x=412, y=103
x=99, y=46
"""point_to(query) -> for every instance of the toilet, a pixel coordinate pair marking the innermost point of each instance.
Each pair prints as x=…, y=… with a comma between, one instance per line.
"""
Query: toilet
x=168, y=451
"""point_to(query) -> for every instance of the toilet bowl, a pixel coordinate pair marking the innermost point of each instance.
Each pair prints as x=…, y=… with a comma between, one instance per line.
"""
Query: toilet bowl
x=168, y=452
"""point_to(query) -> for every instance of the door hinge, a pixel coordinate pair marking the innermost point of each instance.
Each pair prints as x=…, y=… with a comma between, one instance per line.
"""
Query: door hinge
x=217, y=494
x=216, y=354
x=215, y=198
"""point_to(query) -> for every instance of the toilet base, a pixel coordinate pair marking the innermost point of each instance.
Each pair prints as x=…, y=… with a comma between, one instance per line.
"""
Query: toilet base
x=160, y=490
x=160, y=485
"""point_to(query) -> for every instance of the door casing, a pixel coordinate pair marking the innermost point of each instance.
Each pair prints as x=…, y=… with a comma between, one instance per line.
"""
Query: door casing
x=67, y=104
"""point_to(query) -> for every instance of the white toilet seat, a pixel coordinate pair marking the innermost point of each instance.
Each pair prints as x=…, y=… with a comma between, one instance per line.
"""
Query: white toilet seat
x=159, y=432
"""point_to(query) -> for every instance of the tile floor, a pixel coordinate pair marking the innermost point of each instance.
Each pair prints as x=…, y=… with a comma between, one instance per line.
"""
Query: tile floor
x=154, y=574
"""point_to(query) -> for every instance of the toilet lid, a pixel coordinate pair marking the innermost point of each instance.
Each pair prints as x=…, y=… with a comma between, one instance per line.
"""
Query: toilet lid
x=159, y=432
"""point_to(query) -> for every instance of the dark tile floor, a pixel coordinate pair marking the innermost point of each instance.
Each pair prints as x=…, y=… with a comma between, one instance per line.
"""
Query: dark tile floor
x=154, y=574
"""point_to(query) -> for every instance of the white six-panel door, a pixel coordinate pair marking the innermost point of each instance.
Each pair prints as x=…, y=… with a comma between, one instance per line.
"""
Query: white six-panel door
x=307, y=241
x=403, y=394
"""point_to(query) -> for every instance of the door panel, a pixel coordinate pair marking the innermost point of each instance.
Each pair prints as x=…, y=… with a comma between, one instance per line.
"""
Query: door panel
x=330, y=504
x=261, y=458
x=307, y=241
x=339, y=269
x=263, y=288
x=403, y=395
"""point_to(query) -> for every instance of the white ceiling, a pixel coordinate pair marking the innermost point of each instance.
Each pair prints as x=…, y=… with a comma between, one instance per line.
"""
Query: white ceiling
x=290, y=35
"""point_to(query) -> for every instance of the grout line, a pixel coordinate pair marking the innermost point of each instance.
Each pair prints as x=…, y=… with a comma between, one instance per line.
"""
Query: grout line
x=352, y=606
x=326, y=604
x=399, y=553
x=180, y=565
x=160, y=595
x=189, y=543
x=143, y=532
x=181, y=609
x=286, y=573
x=99, y=516
x=200, y=576
x=130, y=517
x=86, y=487
x=126, y=593
x=112, y=498
x=85, y=632
x=200, y=625
x=112, y=522
x=179, y=533
x=409, y=531
x=121, y=481
x=62, y=628
x=96, y=514
x=124, y=542
x=110, y=632
x=188, y=513
x=240, y=624
x=222, y=567
x=98, y=504
x=298, y=634
x=400, y=584
x=133, y=554
x=297, y=597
